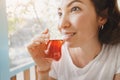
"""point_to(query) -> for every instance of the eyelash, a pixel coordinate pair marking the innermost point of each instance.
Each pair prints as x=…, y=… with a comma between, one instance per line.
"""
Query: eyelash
x=72, y=9
x=75, y=9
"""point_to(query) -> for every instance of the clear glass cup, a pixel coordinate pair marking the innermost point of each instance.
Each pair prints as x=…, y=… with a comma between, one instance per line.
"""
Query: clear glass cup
x=54, y=49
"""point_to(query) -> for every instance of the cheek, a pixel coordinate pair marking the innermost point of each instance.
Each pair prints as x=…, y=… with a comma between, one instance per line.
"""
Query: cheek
x=79, y=21
x=85, y=23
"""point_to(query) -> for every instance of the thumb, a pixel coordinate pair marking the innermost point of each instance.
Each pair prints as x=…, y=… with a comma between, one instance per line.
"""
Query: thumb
x=45, y=31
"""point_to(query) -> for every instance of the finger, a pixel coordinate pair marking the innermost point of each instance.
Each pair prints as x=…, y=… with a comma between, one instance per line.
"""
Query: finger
x=32, y=46
x=46, y=31
x=45, y=36
x=43, y=39
x=49, y=60
x=40, y=41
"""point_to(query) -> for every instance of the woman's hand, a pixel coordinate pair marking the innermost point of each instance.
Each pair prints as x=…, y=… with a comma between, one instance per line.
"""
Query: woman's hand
x=37, y=49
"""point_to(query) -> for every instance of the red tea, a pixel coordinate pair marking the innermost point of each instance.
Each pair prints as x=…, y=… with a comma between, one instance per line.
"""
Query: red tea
x=54, y=49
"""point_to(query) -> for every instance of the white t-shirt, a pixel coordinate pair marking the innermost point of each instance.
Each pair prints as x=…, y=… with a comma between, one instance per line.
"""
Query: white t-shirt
x=103, y=67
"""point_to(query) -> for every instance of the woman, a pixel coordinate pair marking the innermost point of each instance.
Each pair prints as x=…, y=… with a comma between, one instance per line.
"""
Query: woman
x=91, y=49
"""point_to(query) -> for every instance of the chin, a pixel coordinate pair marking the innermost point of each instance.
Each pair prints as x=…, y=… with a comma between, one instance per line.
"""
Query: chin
x=72, y=43
x=69, y=44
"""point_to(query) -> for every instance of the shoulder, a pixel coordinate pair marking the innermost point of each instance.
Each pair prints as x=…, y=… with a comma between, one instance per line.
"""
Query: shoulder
x=112, y=53
x=115, y=49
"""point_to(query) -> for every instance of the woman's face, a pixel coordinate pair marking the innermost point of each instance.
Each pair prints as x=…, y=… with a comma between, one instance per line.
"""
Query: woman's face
x=78, y=21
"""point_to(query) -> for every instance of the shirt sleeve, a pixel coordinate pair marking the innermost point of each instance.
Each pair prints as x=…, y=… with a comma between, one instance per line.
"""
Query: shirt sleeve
x=118, y=59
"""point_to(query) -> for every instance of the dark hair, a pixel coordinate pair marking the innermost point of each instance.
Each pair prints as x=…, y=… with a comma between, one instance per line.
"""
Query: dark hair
x=111, y=31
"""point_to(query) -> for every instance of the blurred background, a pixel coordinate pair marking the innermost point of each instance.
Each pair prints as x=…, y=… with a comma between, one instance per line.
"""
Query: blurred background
x=27, y=18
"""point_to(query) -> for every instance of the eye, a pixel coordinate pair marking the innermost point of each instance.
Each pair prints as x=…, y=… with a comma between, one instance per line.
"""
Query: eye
x=59, y=14
x=75, y=9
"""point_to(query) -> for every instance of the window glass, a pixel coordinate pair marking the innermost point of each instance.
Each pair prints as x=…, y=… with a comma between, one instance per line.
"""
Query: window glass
x=27, y=18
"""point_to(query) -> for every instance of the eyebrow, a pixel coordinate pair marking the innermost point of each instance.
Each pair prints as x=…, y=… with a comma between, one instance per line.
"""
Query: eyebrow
x=69, y=4
x=74, y=2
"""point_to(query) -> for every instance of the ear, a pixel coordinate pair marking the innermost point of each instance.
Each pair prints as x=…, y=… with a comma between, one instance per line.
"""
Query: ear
x=103, y=17
x=102, y=20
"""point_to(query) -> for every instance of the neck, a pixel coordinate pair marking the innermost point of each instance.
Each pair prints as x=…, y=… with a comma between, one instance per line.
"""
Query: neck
x=85, y=52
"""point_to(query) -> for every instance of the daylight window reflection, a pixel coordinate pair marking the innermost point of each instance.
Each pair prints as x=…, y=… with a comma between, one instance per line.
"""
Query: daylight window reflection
x=27, y=18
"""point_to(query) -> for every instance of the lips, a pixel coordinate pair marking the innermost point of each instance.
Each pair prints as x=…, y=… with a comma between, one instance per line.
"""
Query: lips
x=68, y=35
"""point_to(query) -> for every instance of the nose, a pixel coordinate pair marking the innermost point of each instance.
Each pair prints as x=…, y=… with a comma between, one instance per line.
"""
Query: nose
x=64, y=23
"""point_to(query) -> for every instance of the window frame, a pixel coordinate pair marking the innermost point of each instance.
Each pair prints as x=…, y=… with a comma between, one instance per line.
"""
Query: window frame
x=5, y=72
x=4, y=58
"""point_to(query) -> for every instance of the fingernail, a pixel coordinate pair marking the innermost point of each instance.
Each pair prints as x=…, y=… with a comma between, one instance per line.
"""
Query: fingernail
x=37, y=42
